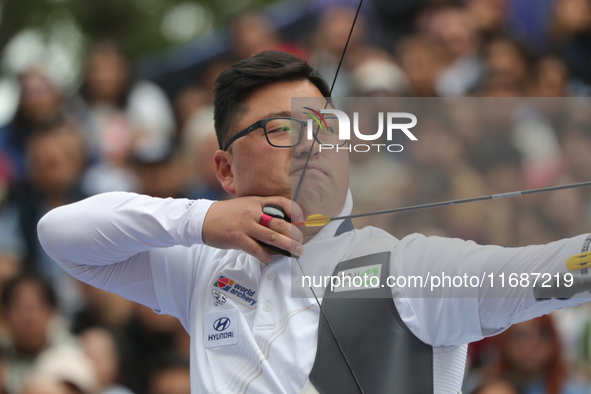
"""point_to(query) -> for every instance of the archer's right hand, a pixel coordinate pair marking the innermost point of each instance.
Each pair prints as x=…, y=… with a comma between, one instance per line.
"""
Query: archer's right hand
x=234, y=224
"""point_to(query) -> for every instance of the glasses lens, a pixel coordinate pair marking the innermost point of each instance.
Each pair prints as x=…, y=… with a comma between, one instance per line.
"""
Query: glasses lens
x=283, y=131
x=328, y=133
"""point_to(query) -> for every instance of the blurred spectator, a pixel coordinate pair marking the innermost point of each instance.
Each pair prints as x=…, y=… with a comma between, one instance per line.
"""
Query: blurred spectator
x=571, y=35
x=534, y=135
x=210, y=74
x=102, y=309
x=3, y=389
x=187, y=103
x=12, y=249
x=199, y=143
x=106, y=311
x=31, y=312
x=566, y=208
x=398, y=19
x=525, y=126
x=329, y=39
x=531, y=356
x=441, y=159
x=550, y=78
x=574, y=328
x=499, y=165
x=40, y=104
x=533, y=226
x=456, y=32
x=12, y=246
x=161, y=176
x=5, y=171
x=370, y=191
x=66, y=370
x=416, y=222
x=253, y=33
x=423, y=61
x=100, y=347
x=170, y=375
x=488, y=15
x=55, y=160
x=575, y=140
x=120, y=117
x=149, y=335
x=55, y=157
x=507, y=68
x=376, y=74
x=51, y=386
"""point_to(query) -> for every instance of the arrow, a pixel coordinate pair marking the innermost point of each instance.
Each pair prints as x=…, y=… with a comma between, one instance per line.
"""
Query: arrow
x=318, y=220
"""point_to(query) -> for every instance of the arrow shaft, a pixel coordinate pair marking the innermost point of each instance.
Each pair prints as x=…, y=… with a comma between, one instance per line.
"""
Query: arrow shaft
x=466, y=200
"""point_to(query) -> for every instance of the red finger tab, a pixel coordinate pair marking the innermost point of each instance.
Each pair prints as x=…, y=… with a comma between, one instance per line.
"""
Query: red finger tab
x=265, y=220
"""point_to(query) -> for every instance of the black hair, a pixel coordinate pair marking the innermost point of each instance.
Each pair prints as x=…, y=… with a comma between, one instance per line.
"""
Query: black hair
x=234, y=85
x=45, y=287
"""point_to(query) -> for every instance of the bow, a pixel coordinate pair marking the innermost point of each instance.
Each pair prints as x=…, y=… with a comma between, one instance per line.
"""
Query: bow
x=297, y=191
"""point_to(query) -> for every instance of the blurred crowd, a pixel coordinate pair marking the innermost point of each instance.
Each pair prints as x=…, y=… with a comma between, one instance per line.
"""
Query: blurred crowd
x=118, y=132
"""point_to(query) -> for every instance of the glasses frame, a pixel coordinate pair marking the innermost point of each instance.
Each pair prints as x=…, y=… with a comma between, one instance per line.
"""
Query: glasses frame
x=263, y=123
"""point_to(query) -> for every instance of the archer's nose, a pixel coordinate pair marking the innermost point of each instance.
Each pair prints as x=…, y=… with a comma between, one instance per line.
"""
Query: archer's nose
x=306, y=146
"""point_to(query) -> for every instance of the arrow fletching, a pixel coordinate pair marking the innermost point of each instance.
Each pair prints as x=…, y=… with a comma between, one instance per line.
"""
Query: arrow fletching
x=316, y=220
x=579, y=261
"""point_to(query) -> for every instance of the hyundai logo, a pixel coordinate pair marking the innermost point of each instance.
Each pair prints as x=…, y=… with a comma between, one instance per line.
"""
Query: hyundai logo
x=221, y=324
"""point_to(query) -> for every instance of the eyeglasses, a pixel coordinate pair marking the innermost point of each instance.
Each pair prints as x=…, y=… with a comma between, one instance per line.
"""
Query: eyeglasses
x=285, y=132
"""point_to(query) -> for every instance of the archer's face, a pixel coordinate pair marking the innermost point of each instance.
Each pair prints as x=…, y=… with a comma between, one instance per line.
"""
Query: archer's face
x=252, y=167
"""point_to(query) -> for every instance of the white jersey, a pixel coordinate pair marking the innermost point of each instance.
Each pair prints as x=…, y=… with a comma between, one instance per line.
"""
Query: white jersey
x=248, y=334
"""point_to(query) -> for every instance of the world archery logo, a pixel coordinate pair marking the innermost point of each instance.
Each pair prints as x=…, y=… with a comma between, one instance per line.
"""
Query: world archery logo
x=317, y=116
x=224, y=283
x=245, y=294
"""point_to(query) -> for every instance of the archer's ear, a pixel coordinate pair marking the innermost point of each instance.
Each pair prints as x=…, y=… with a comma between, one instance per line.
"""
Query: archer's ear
x=223, y=170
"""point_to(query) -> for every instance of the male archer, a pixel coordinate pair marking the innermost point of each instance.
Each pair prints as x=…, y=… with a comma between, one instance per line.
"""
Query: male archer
x=202, y=261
